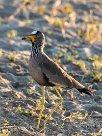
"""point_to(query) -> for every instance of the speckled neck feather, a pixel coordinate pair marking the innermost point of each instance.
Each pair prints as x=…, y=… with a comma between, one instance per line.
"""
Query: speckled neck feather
x=38, y=45
x=36, y=49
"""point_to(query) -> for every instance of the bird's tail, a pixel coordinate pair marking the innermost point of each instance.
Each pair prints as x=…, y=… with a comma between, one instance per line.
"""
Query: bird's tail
x=81, y=88
x=85, y=90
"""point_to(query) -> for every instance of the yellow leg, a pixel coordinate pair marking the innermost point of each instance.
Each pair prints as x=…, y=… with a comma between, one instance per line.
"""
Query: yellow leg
x=42, y=106
x=56, y=106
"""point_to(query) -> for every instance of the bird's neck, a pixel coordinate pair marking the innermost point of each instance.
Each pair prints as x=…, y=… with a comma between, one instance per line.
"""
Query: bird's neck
x=36, y=49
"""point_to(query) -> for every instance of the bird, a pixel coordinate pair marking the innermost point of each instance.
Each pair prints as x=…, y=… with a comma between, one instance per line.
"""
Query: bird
x=46, y=72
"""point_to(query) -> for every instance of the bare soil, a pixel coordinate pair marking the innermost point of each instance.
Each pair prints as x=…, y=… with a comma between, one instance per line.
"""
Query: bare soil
x=20, y=95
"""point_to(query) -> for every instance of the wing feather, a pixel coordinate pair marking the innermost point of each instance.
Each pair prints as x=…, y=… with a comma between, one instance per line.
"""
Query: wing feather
x=54, y=72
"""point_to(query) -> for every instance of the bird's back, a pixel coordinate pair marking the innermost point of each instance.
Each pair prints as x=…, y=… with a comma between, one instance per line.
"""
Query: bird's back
x=55, y=74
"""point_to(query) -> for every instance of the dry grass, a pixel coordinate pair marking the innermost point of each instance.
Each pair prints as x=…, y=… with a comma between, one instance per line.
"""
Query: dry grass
x=5, y=133
x=91, y=32
x=11, y=34
x=19, y=103
x=96, y=68
x=12, y=57
x=78, y=116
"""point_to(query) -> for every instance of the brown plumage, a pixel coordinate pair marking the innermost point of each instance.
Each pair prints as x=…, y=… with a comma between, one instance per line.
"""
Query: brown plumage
x=45, y=71
x=48, y=73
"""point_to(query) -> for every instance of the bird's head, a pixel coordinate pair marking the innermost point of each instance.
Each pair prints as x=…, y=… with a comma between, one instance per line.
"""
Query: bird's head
x=36, y=37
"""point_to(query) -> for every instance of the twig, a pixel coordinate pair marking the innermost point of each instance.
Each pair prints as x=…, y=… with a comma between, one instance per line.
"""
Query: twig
x=40, y=131
x=18, y=9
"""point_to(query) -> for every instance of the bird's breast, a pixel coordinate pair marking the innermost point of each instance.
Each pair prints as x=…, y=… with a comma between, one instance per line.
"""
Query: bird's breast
x=35, y=71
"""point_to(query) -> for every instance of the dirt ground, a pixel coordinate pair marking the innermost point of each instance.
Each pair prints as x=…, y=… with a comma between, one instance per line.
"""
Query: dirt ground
x=73, y=30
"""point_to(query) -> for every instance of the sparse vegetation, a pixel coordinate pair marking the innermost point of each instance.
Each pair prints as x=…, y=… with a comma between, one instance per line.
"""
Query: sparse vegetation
x=97, y=74
x=12, y=57
x=81, y=64
x=5, y=122
x=67, y=8
x=77, y=116
x=73, y=31
x=95, y=58
x=41, y=9
x=12, y=34
x=91, y=31
x=5, y=133
x=71, y=59
x=99, y=133
x=49, y=32
x=25, y=112
x=96, y=68
x=2, y=20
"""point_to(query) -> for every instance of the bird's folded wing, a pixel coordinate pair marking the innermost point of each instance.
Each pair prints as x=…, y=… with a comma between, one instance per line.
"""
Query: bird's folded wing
x=54, y=73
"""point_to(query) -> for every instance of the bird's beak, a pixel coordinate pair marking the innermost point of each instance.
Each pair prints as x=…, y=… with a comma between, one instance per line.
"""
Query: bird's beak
x=30, y=38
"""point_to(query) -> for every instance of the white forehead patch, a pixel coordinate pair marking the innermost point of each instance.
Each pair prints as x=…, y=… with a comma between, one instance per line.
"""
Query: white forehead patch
x=34, y=32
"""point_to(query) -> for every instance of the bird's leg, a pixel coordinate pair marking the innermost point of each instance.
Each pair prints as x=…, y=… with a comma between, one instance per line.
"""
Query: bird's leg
x=42, y=106
x=56, y=106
